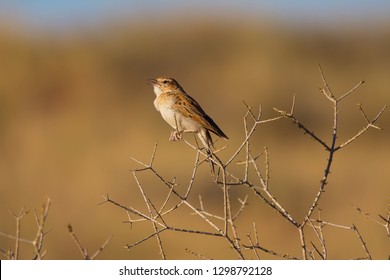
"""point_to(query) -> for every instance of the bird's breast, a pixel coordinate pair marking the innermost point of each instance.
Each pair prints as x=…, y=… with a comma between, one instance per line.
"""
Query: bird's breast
x=164, y=101
x=164, y=104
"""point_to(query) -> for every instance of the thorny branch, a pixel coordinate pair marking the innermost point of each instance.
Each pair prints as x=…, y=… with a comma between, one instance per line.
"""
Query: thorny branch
x=37, y=242
x=82, y=249
x=225, y=226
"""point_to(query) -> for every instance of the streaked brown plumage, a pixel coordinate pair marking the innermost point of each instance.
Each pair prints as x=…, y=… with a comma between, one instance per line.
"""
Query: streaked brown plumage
x=183, y=113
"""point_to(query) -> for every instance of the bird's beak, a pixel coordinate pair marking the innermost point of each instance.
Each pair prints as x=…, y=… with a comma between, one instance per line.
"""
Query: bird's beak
x=152, y=81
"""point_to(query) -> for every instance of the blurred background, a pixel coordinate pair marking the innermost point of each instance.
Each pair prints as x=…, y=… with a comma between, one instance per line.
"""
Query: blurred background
x=74, y=105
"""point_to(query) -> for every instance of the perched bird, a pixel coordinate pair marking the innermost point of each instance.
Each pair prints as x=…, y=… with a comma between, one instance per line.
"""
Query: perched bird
x=183, y=113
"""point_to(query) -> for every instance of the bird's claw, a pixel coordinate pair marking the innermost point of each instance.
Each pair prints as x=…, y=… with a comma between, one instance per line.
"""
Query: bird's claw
x=175, y=135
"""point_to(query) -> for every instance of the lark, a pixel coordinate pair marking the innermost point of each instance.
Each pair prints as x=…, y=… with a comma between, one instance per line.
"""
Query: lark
x=183, y=113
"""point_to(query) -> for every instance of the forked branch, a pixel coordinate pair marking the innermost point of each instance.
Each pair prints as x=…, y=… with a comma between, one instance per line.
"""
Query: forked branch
x=224, y=226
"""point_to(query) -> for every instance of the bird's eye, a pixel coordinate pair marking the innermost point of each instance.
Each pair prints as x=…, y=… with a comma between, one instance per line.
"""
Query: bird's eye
x=165, y=82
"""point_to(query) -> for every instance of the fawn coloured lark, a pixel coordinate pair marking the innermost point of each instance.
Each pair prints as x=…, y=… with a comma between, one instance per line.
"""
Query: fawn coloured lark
x=183, y=113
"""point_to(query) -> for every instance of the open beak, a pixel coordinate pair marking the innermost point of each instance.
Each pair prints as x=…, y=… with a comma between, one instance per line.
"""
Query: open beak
x=152, y=82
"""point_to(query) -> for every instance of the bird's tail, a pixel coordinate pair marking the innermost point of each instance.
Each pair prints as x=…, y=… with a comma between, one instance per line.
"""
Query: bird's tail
x=207, y=141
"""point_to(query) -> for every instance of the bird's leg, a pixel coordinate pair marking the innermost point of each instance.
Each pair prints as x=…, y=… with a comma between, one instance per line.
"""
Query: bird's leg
x=176, y=135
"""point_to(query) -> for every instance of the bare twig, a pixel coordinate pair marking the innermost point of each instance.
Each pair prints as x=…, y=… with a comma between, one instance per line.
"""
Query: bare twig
x=300, y=125
x=370, y=124
x=101, y=248
x=82, y=249
x=18, y=217
x=152, y=219
x=37, y=242
x=197, y=254
x=382, y=222
x=271, y=252
x=224, y=224
x=362, y=241
x=41, y=220
x=253, y=247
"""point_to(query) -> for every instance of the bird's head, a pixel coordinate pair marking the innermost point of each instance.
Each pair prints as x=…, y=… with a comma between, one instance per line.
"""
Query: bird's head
x=162, y=85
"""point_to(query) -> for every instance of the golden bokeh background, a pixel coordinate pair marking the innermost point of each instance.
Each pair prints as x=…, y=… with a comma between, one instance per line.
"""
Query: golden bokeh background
x=75, y=105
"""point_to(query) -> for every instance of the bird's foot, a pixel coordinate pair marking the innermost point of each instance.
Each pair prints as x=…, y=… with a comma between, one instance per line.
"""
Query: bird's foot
x=175, y=135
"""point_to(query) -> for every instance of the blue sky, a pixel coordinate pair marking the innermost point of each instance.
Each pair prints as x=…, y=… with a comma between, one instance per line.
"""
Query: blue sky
x=52, y=14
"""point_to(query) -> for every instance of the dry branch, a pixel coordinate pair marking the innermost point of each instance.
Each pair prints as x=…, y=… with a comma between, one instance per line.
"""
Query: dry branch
x=82, y=249
x=225, y=226
x=37, y=242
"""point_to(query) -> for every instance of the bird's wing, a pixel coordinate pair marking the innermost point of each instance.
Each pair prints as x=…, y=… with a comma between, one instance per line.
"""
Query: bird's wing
x=189, y=108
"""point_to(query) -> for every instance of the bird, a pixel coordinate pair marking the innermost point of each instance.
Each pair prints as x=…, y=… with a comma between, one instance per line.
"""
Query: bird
x=183, y=113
